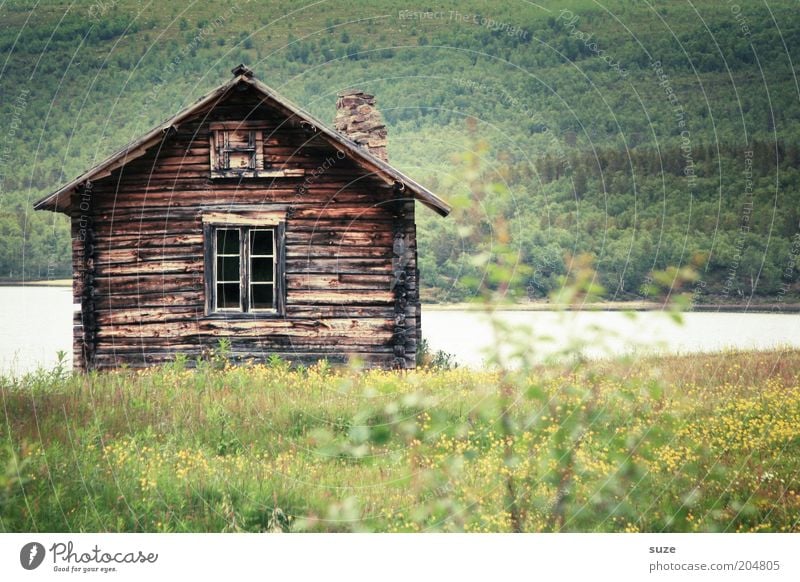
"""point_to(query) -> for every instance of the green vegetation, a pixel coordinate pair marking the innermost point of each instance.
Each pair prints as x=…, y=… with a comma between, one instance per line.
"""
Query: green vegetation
x=691, y=162
x=700, y=443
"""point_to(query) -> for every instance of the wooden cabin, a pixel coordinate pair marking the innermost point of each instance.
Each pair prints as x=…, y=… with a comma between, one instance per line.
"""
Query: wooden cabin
x=246, y=219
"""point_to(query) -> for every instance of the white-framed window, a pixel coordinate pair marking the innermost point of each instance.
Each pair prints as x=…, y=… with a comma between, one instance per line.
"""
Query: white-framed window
x=244, y=268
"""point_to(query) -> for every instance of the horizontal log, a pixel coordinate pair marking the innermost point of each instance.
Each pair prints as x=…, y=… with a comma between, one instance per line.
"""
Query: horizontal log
x=361, y=298
x=133, y=255
x=329, y=329
x=168, y=225
x=256, y=342
x=342, y=297
x=356, y=181
x=298, y=229
x=149, y=315
x=147, y=283
x=154, y=267
x=146, y=240
x=146, y=359
x=294, y=309
x=316, y=177
x=166, y=201
x=339, y=237
x=337, y=266
x=298, y=262
x=149, y=300
x=342, y=281
x=316, y=224
x=265, y=343
x=339, y=250
x=154, y=228
x=293, y=224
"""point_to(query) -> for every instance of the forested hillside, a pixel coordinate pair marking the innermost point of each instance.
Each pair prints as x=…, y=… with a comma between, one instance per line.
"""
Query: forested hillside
x=647, y=134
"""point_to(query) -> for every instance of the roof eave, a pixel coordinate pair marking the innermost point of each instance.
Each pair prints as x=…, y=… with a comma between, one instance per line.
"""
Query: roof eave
x=51, y=202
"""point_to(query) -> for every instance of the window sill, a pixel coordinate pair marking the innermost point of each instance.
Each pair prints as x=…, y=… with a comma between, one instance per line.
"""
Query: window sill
x=244, y=315
x=237, y=174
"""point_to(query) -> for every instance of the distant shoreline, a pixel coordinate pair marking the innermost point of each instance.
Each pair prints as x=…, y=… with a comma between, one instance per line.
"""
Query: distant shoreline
x=620, y=306
x=536, y=305
x=38, y=283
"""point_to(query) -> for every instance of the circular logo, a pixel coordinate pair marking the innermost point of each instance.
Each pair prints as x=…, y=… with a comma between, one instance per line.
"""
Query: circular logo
x=31, y=555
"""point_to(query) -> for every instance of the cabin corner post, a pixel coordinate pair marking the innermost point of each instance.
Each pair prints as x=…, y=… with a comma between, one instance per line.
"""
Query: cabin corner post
x=84, y=259
x=404, y=286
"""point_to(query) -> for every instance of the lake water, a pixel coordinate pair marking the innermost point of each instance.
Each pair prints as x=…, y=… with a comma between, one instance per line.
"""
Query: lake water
x=37, y=323
x=605, y=333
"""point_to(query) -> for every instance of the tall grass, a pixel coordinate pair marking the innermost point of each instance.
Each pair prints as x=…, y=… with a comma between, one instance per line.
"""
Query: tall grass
x=700, y=443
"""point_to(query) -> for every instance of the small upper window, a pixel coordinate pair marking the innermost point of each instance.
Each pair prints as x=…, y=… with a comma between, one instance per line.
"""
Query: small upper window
x=237, y=149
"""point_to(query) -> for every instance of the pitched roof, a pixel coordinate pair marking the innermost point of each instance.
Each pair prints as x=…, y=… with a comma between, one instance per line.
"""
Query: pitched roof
x=59, y=200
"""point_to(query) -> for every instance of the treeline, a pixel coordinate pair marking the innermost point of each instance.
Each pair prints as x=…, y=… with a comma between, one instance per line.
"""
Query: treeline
x=597, y=160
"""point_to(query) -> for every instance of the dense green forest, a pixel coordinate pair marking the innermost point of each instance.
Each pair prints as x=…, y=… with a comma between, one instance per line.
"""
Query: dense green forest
x=647, y=134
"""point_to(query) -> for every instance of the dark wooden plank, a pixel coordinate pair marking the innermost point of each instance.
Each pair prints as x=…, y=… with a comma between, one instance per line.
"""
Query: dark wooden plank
x=366, y=329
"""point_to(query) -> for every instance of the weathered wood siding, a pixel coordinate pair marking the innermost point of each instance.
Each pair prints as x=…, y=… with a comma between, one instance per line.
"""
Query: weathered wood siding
x=139, y=276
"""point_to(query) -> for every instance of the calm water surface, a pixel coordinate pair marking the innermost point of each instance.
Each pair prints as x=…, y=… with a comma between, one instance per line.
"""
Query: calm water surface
x=467, y=335
x=37, y=323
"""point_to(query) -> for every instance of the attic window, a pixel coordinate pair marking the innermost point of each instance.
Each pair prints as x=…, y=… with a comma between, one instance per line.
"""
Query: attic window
x=237, y=149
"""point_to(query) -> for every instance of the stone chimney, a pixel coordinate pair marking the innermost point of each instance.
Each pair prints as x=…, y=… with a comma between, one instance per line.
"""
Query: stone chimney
x=357, y=118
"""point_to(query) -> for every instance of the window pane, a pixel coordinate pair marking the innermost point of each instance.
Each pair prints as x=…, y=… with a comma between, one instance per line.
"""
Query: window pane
x=241, y=138
x=261, y=270
x=227, y=268
x=228, y=241
x=228, y=296
x=261, y=242
x=261, y=296
x=241, y=160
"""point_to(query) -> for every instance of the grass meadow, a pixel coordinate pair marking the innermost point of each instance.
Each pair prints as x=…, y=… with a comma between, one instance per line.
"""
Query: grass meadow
x=677, y=444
